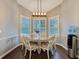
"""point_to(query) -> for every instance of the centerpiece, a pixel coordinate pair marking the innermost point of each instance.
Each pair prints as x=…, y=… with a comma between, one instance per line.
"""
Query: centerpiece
x=37, y=34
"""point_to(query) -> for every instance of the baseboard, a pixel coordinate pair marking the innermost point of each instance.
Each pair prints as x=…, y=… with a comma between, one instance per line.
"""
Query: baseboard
x=62, y=46
x=10, y=50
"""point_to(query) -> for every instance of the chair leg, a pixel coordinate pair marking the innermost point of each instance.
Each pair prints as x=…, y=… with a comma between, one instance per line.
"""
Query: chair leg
x=55, y=47
x=22, y=47
x=52, y=51
x=25, y=52
x=30, y=54
x=48, y=53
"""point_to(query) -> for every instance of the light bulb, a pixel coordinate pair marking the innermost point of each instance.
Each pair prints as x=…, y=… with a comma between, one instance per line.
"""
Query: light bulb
x=41, y=13
x=36, y=13
x=33, y=13
x=44, y=13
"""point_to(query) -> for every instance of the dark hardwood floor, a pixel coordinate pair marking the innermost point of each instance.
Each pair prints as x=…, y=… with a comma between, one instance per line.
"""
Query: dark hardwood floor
x=18, y=53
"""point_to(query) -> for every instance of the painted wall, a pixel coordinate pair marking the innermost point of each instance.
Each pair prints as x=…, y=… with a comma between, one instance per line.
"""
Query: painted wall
x=76, y=12
x=9, y=12
x=55, y=11
x=66, y=13
x=67, y=19
x=23, y=11
x=69, y=16
x=8, y=25
x=8, y=18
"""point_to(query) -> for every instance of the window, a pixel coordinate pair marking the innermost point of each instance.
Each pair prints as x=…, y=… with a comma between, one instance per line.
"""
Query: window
x=43, y=27
x=36, y=24
x=25, y=26
x=53, y=26
x=40, y=25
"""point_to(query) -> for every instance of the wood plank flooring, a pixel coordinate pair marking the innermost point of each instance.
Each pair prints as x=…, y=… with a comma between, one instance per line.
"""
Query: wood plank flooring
x=18, y=53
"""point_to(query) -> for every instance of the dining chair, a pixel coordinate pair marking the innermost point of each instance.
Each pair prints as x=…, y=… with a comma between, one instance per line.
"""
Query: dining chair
x=22, y=41
x=47, y=46
x=29, y=46
x=53, y=44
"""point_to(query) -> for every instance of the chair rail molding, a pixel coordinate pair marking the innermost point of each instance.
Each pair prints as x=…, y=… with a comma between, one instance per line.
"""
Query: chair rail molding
x=4, y=38
x=7, y=43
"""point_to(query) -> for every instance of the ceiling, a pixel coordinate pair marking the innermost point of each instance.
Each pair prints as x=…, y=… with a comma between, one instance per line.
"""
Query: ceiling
x=46, y=5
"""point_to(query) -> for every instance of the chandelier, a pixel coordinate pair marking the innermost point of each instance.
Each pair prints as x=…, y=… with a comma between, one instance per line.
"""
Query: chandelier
x=39, y=11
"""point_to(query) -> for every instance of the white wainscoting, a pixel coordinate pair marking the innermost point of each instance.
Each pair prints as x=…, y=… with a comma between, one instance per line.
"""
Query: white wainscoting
x=7, y=43
x=10, y=50
x=62, y=41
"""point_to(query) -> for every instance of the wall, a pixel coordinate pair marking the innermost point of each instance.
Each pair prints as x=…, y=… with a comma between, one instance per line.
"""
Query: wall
x=67, y=19
x=69, y=16
x=66, y=13
x=23, y=11
x=76, y=13
x=9, y=12
x=55, y=11
x=8, y=25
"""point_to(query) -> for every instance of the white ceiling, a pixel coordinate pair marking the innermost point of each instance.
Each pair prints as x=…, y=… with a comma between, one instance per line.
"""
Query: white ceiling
x=47, y=5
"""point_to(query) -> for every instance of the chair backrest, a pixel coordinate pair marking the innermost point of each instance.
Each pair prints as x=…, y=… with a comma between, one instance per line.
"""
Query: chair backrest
x=52, y=40
x=49, y=43
x=33, y=35
x=26, y=41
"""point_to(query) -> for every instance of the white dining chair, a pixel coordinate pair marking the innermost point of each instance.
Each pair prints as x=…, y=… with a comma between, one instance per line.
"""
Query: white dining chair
x=29, y=46
x=48, y=45
x=53, y=44
x=22, y=41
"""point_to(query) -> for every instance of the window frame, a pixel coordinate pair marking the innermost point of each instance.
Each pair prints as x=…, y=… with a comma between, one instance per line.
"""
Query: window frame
x=47, y=27
x=21, y=25
x=58, y=25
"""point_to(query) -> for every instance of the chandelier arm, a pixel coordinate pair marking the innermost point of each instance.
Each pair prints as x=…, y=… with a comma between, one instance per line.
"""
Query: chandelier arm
x=39, y=11
x=40, y=6
x=37, y=5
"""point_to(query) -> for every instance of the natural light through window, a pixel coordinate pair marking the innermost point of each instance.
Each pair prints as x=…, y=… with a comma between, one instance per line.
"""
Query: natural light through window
x=39, y=25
